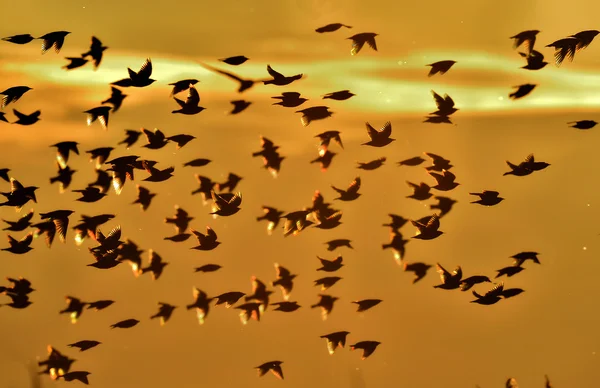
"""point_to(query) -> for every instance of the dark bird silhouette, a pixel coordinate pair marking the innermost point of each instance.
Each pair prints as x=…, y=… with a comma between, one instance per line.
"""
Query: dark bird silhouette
x=245, y=84
x=290, y=99
x=156, y=140
x=239, y=106
x=116, y=100
x=208, y=268
x=280, y=79
x=156, y=265
x=191, y=104
x=564, y=48
x=2, y=118
x=468, y=283
x=326, y=304
x=206, y=242
x=84, y=345
x=412, y=162
x=181, y=220
x=75, y=63
x=100, y=304
x=60, y=218
x=582, y=124
x=182, y=85
x=105, y=260
x=372, y=165
x=272, y=366
x=201, y=304
x=335, y=340
x=439, y=163
x=259, y=294
x=397, y=244
x=13, y=94
x=131, y=137
x=396, y=222
x=206, y=186
x=428, y=230
x=90, y=194
x=63, y=149
x=88, y=226
x=440, y=67
x=379, y=138
x=421, y=192
x=585, y=38
x=234, y=61
x=491, y=297
x=419, y=269
x=48, y=228
x=327, y=221
x=525, y=38
x=81, y=376
x=522, y=91
x=139, y=79
x=438, y=120
x=332, y=245
x=528, y=166
x=330, y=265
x=341, y=95
x=144, y=197
x=450, y=281
x=509, y=271
x=249, y=311
x=229, y=298
x=99, y=113
x=53, y=40
x=21, y=224
x=272, y=215
x=19, y=39
x=314, y=113
x=359, y=40
x=19, y=195
x=522, y=257
x=326, y=137
x=74, y=307
x=445, y=180
x=107, y=243
x=488, y=198
x=30, y=119
x=368, y=347
x=351, y=193
x=327, y=282
x=324, y=159
x=286, y=307
x=230, y=184
x=18, y=301
x=20, y=286
x=96, y=52
x=226, y=206
x=125, y=324
x=445, y=105
x=180, y=237
x=164, y=313
x=332, y=27
x=285, y=280
x=181, y=140
x=366, y=304
x=200, y=162
x=535, y=60
x=4, y=174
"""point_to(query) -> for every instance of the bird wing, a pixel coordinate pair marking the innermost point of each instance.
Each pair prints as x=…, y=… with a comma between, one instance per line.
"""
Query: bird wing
x=282, y=272
x=444, y=275
x=372, y=132
x=354, y=185
x=146, y=69
x=439, y=100
x=386, y=130
x=496, y=291
x=211, y=233
x=15, y=185
x=193, y=98
x=293, y=95
x=273, y=73
x=448, y=175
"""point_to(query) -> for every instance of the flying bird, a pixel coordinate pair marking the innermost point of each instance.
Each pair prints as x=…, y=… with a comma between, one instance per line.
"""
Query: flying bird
x=279, y=79
x=19, y=39
x=139, y=79
x=525, y=38
x=522, y=91
x=99, y=113
x=359, y=40
x=182, y=85
x=583, y=124
x=332, y=27
x=53, y=40
x=379, y=138
x=272, y=366
x=314, y=113
x=116, y=100
x=488, y=198
x=440, y=67
x=13, y=94
x=96, y=52
x=341, y=95
x=190, y=105
x=290, y=99
x=234, y=61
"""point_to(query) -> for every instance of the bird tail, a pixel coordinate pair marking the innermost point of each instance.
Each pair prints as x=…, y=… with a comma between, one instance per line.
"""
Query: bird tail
x=386, y=246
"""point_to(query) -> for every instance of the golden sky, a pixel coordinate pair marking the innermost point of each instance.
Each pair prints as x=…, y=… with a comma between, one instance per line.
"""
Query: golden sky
x=430, y=337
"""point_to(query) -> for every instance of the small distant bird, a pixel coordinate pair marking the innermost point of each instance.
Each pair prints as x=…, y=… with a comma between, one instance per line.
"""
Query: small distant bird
x=366, y=304
x=144, y=197
x=419, y=269
x=379, y=138
x=75, y=307
x=206, y=242
x=156, y=140
x=239, y=106
x=509, y=271
x=522, y=257
x=208, y=268
x=359, y=40
x=444, y=104
x=21, y=246
x=326, y=303
x=234, y=61
x=490, y=297
x=468, y=283
x=342, y=95
x=286, y=307
x=351, y=193
x=182, y=85
x=125, y=324
x=272, y=215
x=75, y=63
x=157, y=175
x=139, y=79
x=421, y=192
x=428, y=230
x=164, y=313
x=439, y=163
x=285, y=280
x=326, y=137
x=100, y=304
x=280, y=79
x=438, y=120
x=325, y=159
x=445, y=181
x=368, y=347
x=226, y=207
x=180, y=221
x=372, y=165
x=64, y=176
x=131, y=138
x=21, y=224
x=450, y=281
x=84, y=345
x=564, y=48
x=30, y=119
x=526, y=167
x=99, y=113
x=156, y=265
x=335, y=340
x=63, y=149
x=201, y=304
x=583, y=124
x=100, y=155
x=272, y=366
x=290, y=99
x=19, y=39
x=96, y=51
x=535, y=60
x=412, y=162
x=488, y=198
x=190, y=105
x=53, y=40
x=332, y=27
x=327, y=282
x=60, y=218
x=314, y=113
x=229, y=298
x=330, y=265
x=440, y=67
x=90, y=194
x=338, y=243
x=522, y=91
x=526, y=38
x=13, y=94
x=181, y=140
x=200, y=162
x=116, y=99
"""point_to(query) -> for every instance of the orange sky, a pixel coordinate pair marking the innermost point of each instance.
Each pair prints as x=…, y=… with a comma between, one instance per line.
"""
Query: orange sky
x=430, y=337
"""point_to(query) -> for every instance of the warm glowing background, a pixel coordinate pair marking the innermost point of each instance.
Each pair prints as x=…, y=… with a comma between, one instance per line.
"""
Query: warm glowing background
x=430, y=337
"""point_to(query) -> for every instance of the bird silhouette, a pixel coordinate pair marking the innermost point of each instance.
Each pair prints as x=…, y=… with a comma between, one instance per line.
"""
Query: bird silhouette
x=138, y=80
x=359, y=40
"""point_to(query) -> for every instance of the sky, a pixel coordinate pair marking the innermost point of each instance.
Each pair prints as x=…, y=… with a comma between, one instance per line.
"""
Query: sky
x=429, y=337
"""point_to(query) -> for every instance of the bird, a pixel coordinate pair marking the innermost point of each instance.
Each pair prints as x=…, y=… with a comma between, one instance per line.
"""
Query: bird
x=245, y=84
x=326, y=137
x=366, y=304
x=19, y=39
x=131, y=138
x=445, y=105
x=467, y=283
x=351, y=193
x=21, y=224
x=75, y=63
x=182, y=85
x=327, y=282
x=63, y=149
x=201, y=304
x=26, y=119
x=372, y=165
x=585, y=38
x=450, y=281
x=509, y=271
x=341, y=95
x=379, y=138
x=421, y=192
x=439, y=162
x=54, y=40
x=200, y=162
x=564, y=48
x=419, y=269
x=208, y=268
x=226, y=207
x=157, y=175
x=125, y=324
x=326, y=303
x=488, y=198
x=4, y=174
x=100, y=155
x=535, y=60
x=286, y=307
x=368, y=347
x=284, y=280
x=90, y=194
x=314, y=113
x=140, y=79
x=325, y=159
x=522, y=257
x=99, y=113
x=164, y=313
x=60, y=218
x=359, y=40
x=96, y=52
x=330, y=265
x=21, y=246
x=583, y=124
x=440, y=67
x=229, y=298
x=445, y=180
x=522, y=91
x=290, y=99
x=190, y=105
x=279, y=79
x=491, y=297
x=156, y=140
x=332, y=27
x=13, y=94
x=272, y=215
x=412, y=162
x=84, y=345
x=332, y=245
x=235, y=60
x=144, y=197
x=525, y=38
x=180, y=221
x=335, y=340
x=116, y=99
x=206, y=242
x=271, y=366
x=239, y=106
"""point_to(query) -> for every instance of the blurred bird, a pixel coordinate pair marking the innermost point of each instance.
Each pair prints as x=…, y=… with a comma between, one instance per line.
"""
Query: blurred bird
x=272, y=215
x=326, y=304
x=96, y=51
x=341, y=95
x=84, y=345
x=412, y=162
x=156, y=139
x=230, y=184
x=239, y=106
x=208, y=268
x=90, y=194
x=440, y=67
x=419, y=269
x=24, y=119
x=314, y=113
x=21, y=246
x=491, y=297
x=332, y=27
x=116, y=99
x=359, y=40
x=522, y=91
x=19, y=39
x=445, y=181
x=144, y=197
x=583, y=124
x=468, y=283
x=201, y=304
x=139, y=79
x=197, y=163
x=63, y=150
x=327, y=282
x=54, y=40
x=366, y=304
x=245, y=84
x=164, y=313
x=125, y=324
x=234, y=61
x=351, y=193
x=525, y=38
x=279, y=79
x=535, y=60
x=445, y=105
x=13, y=94
x=450, y=281
x=74, y=307
x=182, y=85
x=488, y=198
x=272, y=366
x=75, y=63
x=379, y=138
x=156, y=265
x=99, y=113
x=509, y=271
x=285, y=280
x=290, y=99
x=191, y=104
x=372, y=165
x=206, y=242
x=286, y=307
x=229, y=298
x=335, y=340
x=368, y=347
x=421, y=192
x=181, y=220
x=522, y=257
x=21, y=224
x=332, y=245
